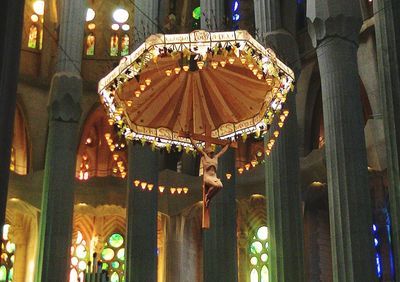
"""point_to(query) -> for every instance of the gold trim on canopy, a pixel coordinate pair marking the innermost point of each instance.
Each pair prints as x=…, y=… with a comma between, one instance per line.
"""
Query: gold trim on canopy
x=221, y=84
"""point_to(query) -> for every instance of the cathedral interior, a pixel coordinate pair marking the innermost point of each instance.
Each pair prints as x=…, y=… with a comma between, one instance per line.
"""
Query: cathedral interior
x=80, y=202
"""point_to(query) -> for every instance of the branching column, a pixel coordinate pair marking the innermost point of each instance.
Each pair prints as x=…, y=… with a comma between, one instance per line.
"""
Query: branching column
x=212, y=15
x=10, y=43
x=284, y=213
x=219, y=242
x=141, y=248
x=387, y=28
x=334, y=27
x=59, y=176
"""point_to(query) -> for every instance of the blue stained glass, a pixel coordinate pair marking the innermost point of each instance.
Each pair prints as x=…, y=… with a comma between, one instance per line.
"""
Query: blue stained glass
x=235, y=6
x=236, y=17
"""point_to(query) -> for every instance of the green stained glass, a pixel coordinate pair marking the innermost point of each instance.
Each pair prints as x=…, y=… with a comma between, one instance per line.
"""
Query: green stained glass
x=254, y=275
x=74, y=261
x=90, y=43
x=197, y=13
x=104, y=266
x=107, y=254
x=116, y=240
x=266, y=245
x=82, y=265
x=264, y=257
x=123, y=267
x=125, y=45
x=114, y=45
x=253, y=261
x=256, y=247
x=81, y=252
x=262, y=233
x=115, y=277
x=11, y=274
x=264, y=274
x=12, y=258
x=3, y=273
x=115, y=264
x=121, y=254
x=33, y=33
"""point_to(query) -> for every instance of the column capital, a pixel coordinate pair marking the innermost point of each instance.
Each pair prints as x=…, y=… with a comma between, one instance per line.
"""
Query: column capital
x=65, y=95
x=333, y=18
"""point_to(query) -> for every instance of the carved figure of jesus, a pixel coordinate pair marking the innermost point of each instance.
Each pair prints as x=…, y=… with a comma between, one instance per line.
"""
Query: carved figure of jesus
x=211, y=183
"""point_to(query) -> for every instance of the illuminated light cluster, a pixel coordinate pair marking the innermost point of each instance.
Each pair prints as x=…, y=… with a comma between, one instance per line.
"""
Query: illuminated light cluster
x=262, y=63
x=35, y=38
x=144, y=84
x=145, y=186
x=84, y=168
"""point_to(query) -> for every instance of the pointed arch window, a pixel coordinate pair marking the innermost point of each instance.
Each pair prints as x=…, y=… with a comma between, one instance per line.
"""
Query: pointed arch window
x=114, y=45
x=125, y=45
x=90, y=44
x=258, y=255
x=113, y=257
x=7, y=256
x=33, y=35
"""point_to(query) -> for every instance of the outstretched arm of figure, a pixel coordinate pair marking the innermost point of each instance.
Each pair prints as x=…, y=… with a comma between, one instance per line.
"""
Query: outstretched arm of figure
x=199, y=149
x=220, y=153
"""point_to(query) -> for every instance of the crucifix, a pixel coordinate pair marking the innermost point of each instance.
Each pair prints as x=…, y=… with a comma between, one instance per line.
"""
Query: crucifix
x=211, y=183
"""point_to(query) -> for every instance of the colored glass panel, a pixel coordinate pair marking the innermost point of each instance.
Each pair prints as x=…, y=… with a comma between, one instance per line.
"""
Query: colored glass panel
x=256, y=247
x=90, y=43
x=116, y=240
x=125, y=47
x=254, y=275
x=264, y=274
x=32, y=40
x=121, y=254
x=262, y=233
x=114, y=45
x=114, y=277
x=74, y=261
x=3, y=273
x=82, y=265
x=107, y=254
x=264, y=257
x=115, y=264
x=81, y=252
x=196, y=13
x=253, y=261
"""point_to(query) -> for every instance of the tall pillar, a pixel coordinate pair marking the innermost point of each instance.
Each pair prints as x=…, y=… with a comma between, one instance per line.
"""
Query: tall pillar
x=175, y=241
x=10, y=43
x=284, y=212
x=334, y=27
x=146, y=20
x=219, y=242
x=212, y=15
x=387, y=29
x=141, y=247
x=59, y=175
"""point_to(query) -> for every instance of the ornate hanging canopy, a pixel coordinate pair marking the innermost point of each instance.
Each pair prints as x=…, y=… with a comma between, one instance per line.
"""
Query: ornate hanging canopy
x=221, y=84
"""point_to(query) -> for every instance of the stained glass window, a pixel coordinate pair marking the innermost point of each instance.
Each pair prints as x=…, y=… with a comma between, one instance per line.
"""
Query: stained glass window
x=235, y=14
x=33, y=33
x=90, y=44
x=125, y=45
x=258, y=255
x=196, y=15
x=377, y=245
x=113, y=257
x=79, y=259
x=114, y=45
x=7, y=256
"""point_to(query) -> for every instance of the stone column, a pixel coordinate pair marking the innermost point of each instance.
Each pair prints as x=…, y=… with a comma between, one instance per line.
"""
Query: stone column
x=284, y=210
x=20, y=240
x=219, y=242
x=59, y=175
x=334, y=27
x=387, y=29
x=212, y=15
x=10, y=43
x=146, y=20
x=176, y=228
x=141, y=247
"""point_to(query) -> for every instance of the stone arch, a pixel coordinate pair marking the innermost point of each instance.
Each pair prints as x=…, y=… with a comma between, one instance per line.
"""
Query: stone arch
x=20, y=150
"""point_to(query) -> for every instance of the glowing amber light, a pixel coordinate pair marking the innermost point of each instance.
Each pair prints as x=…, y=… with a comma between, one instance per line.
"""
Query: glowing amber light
x=269, y=145
x=179, y=190
x=282, y=118
x=251, y=66
x=231, y=60
x=280, y=124
x=88, y=140
x=185, y=68
x=254, y=163
x=172, y=189
x=34, y=18
x=269, y=81
x=107, y=136
x=91, y=26
x=272, y=141
x=214, y=65
x=286, y=113
x=136, y=182
x=255, y=71
x=147, y=81
x=240, y=170
x=150, y=186
x=115, y=157
x=161, y=188
x=177, y=70
x=185, y=190
x=259, y=75
x=123, y=174
x=268, y=152
x=247, y=166
x=200, y=65
x=228, y=176
x=223, y=63
x=129, y=103
x=110, y=121
x=243, y=60
x=142, y=87
x=112, y=148
x=143, y=184
x=276, y=133
x=137, y=93
x=168, y=72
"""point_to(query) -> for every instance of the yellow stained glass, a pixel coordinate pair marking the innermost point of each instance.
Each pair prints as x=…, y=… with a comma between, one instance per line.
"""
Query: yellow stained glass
x=125, y=45
x=254, y=276
x=114, y=277
x=90, y=44
x=262, y=233
x=114, y=45
x=33, y=33
x=264, y=274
